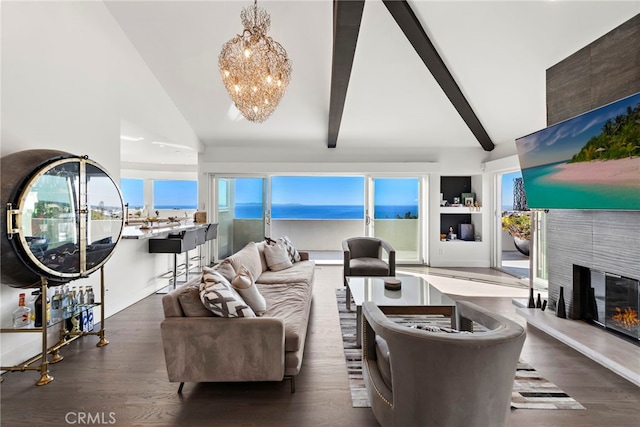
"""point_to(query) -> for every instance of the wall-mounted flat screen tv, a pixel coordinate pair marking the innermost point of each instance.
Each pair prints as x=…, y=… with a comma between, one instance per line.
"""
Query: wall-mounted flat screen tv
x=591, y=161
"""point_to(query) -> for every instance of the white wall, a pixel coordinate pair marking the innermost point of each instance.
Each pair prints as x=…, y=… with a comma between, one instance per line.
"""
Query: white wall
x=69, y=76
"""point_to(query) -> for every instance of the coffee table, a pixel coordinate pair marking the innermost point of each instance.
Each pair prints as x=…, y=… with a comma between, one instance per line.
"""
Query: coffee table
x=415, y=293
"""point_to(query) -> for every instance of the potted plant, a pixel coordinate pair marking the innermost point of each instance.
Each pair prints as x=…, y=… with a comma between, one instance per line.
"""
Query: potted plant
x=518, y=225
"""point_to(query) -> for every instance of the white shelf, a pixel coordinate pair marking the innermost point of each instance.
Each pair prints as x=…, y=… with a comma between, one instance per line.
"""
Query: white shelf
x=459, y=210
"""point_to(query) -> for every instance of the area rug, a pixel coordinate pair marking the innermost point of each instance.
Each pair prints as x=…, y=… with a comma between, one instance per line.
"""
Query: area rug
x=530, y=389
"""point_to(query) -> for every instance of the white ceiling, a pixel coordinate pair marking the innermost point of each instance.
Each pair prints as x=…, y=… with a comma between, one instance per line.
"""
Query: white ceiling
x=497, y=51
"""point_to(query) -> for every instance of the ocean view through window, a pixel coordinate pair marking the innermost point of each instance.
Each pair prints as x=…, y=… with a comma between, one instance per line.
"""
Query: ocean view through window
x=327, y=197
x=175, y=194
x=396, y=198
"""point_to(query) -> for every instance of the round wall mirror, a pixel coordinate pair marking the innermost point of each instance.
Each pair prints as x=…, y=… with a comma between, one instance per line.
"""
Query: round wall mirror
x=62, y=220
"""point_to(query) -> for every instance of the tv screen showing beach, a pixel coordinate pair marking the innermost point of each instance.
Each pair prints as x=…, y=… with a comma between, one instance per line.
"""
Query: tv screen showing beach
x=591, y=161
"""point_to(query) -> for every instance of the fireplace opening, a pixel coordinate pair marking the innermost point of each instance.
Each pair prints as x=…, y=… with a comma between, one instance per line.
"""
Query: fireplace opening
x=610, y=301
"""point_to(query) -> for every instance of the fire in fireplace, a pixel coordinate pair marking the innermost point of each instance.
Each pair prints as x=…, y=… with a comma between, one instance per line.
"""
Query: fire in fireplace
x=627, y=319
x=611, y=301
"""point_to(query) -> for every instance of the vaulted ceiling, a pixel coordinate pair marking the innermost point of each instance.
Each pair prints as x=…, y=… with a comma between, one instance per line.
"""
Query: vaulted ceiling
x=372, y=74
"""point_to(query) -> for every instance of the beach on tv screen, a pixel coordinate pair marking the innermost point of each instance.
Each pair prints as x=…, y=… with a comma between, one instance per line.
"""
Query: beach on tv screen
x=591, y=161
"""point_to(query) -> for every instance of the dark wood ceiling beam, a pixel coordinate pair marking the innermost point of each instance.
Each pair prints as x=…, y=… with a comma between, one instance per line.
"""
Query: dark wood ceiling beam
x=408, y=22
x=347, y=15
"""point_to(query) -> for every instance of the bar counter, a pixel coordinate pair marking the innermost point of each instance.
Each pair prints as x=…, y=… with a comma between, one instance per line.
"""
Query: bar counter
x=159, y=232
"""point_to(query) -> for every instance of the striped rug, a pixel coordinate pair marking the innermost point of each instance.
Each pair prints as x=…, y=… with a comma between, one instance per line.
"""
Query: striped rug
x=530, y=389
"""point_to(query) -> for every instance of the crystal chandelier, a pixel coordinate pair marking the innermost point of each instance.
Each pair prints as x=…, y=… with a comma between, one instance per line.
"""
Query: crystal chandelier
x=255, y=68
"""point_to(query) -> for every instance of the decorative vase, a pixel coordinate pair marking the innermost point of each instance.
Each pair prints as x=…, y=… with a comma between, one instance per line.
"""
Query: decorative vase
x=532, y=303
x=539, y=302
x=561, y=310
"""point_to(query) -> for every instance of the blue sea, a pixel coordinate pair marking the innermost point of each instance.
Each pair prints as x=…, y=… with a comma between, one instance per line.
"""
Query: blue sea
x=254, y=210
x=177, y=207
x=545, y=193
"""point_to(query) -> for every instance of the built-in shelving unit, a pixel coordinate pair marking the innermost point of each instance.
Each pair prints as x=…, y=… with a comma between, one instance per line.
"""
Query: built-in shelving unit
x=453, y=189
x=474, y=252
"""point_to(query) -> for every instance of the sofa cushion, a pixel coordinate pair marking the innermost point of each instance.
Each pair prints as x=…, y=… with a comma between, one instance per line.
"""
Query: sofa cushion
x=277, y=257
x=383, y=360
x=368, y=267
x=364, y=247
x=245, y=285
x=191, y=303
x=171, y=301
x=290, y=303
x=300, y=272
x=249, y=257
x=218, y=295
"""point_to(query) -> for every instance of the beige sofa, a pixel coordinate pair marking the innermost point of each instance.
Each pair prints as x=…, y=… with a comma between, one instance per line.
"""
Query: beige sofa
x=200, y=347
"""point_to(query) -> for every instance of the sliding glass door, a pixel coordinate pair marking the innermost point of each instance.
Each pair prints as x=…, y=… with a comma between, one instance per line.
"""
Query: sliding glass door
x=243, y=213
x=318, y=212
x=393, y=215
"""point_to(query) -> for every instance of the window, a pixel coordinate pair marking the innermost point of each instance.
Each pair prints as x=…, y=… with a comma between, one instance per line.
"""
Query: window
x=312, y=197
x=132, y=192
x=396, y=198
x=170, y=194
x=248, y=198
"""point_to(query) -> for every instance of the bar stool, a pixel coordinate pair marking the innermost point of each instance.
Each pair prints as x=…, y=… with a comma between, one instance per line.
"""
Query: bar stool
x=212, y=232
x=175, y=243
x=201, y=233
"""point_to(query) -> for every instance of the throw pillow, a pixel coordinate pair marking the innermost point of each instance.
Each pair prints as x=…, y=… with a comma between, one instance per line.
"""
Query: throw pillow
x=291, y=249
x=217, y=294
x=225, y=268
x=277, y=257
x=263, y=261
x=249, y=256
x=245, y=285
x=191, y=304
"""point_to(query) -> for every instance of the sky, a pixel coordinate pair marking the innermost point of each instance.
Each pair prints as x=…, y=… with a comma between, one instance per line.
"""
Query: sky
x=317, y=190
x=132, y=191
x=175, y=193
x=396, y=191
x=507, y=188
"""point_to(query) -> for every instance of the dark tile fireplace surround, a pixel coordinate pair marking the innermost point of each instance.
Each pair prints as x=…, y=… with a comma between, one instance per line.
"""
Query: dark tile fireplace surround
x=607, y=301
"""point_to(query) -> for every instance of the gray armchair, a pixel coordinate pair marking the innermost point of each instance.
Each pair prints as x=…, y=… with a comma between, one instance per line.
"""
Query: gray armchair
x=363, y=256
x=418, y=378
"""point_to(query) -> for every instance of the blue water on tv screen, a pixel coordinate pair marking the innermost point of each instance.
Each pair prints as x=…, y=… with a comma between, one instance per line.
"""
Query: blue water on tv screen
x=591, y=161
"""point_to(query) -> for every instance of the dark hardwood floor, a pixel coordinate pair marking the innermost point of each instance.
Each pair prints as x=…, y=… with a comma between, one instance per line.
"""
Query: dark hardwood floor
x=126, y=382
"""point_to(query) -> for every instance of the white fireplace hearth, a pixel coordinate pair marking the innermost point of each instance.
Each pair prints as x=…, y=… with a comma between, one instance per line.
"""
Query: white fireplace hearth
x=615, y=353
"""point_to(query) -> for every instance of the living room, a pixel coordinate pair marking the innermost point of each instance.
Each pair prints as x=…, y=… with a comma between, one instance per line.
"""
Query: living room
x=73, y=73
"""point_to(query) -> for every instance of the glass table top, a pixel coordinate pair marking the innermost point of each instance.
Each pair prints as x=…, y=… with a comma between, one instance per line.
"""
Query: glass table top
x=414, y=291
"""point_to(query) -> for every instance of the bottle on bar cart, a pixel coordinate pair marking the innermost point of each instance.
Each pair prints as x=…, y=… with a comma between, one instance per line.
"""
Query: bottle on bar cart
x=56, y=306
x=22, y=314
